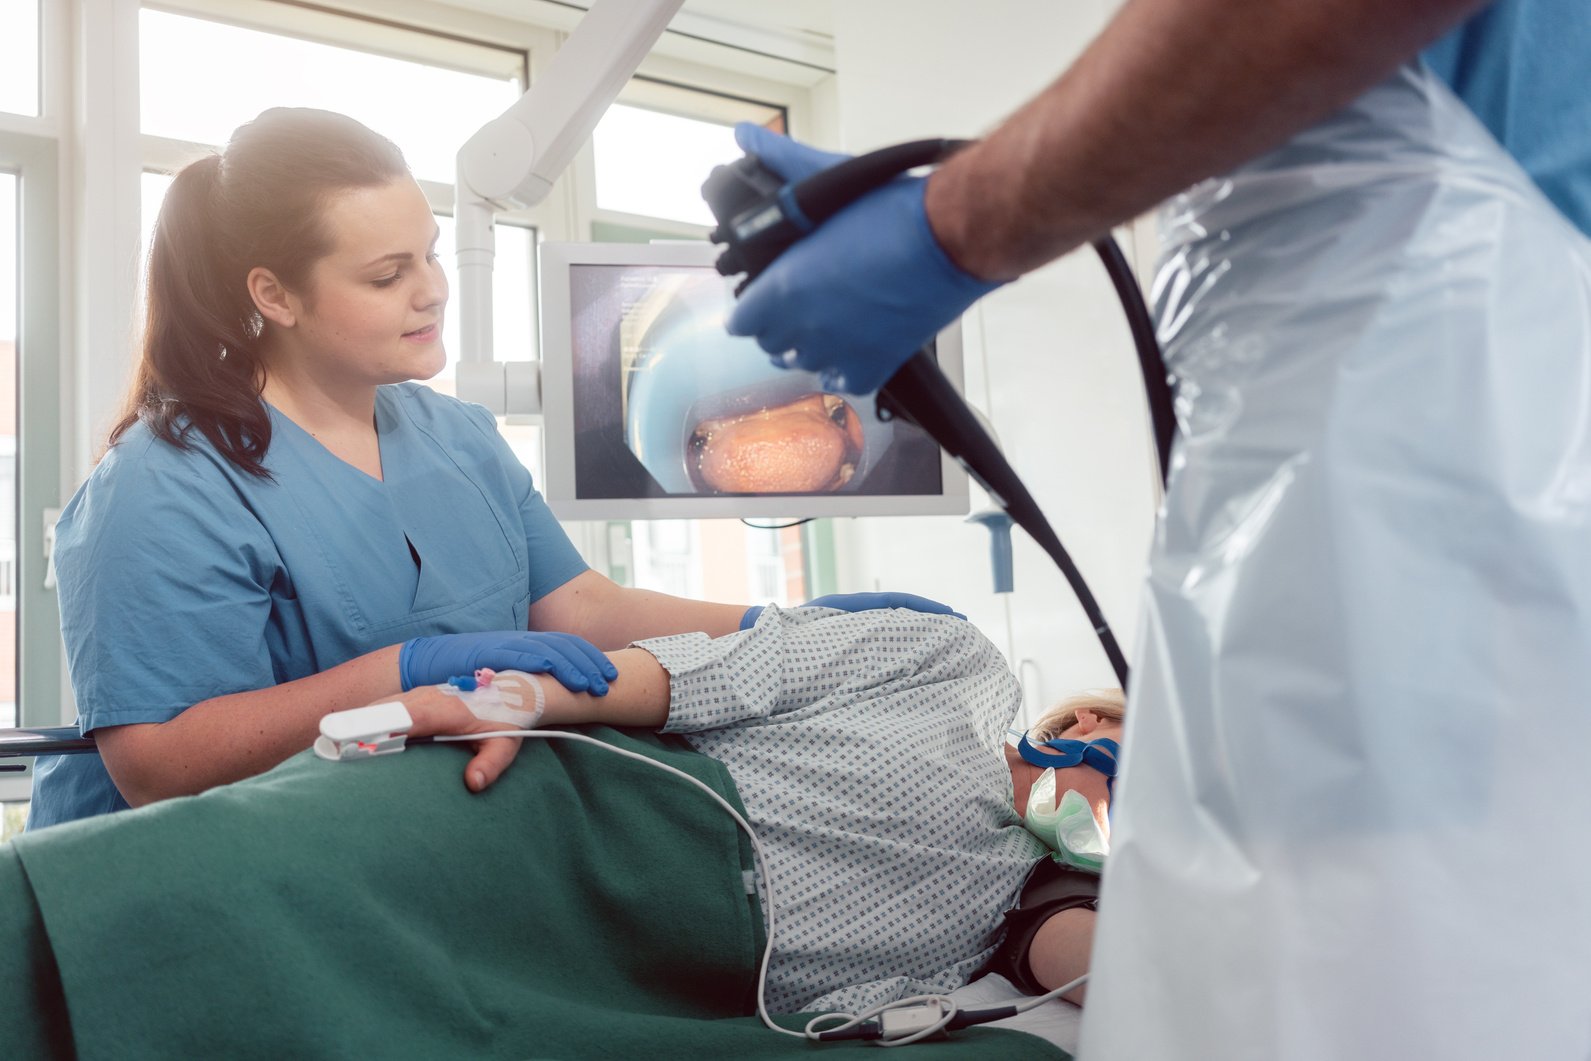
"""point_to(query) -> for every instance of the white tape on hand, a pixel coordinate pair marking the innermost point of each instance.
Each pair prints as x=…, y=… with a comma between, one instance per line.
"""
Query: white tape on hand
x=508, y=696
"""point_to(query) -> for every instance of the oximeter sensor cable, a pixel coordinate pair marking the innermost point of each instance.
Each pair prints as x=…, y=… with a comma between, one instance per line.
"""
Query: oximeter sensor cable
x=364, y=733
x=759, y=215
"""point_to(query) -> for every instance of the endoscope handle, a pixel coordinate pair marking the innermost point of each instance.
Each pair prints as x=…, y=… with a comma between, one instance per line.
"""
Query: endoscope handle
x=760, y=215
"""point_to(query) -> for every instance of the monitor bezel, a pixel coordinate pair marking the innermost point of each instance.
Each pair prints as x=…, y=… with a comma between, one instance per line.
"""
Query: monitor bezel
x=557, y=389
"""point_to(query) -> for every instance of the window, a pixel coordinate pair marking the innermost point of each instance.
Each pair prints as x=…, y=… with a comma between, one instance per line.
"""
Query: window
x=9, y=254
x=422, y=91
x=651, y=163
x=650, y=154
x=201, y=79
x=513, y=283
x=666, y=557
x=19, y=56
x=653, y=149
x=202, y=68
x=30, y=681
x=765, y=568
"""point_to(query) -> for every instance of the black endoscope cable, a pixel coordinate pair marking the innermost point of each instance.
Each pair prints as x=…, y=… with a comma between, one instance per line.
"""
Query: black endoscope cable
x=759, y=215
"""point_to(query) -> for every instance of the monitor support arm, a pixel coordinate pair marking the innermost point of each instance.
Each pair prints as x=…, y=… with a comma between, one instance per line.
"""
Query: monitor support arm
x=514, y=159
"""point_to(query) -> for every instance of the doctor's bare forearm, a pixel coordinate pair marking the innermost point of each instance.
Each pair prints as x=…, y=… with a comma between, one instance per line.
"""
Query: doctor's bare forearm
x=1171, y=92
x=228, y=738
x=611, y=616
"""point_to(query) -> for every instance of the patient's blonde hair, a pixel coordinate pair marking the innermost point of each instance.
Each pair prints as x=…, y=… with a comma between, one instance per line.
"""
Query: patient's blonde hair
x=1106, y=703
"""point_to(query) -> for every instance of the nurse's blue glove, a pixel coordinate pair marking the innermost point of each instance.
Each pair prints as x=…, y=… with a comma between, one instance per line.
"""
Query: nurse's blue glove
x=862, y=602
x=576, y=663
x=864, y=291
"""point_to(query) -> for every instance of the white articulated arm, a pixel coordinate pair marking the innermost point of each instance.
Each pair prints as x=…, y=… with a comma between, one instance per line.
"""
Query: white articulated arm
x=514, y=159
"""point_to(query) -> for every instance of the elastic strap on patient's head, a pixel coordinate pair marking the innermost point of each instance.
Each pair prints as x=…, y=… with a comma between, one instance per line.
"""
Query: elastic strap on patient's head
x=1063, y=752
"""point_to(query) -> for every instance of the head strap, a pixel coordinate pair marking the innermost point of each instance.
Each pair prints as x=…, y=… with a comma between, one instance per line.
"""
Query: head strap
x=1062, y=752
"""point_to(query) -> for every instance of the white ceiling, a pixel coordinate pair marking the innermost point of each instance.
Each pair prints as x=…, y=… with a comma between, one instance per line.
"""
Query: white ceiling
x=799, y=30
x=798, y=17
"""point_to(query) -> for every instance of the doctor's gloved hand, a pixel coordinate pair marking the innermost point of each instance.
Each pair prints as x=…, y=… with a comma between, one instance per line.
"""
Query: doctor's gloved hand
x=577, y=664
x=864, y=291
x=862, y=602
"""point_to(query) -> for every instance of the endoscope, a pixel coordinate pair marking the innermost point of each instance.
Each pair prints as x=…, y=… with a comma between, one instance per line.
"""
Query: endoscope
x=753, y=207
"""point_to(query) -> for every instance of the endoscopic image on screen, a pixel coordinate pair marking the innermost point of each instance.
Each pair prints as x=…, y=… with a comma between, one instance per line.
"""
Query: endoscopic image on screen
x=666, y=403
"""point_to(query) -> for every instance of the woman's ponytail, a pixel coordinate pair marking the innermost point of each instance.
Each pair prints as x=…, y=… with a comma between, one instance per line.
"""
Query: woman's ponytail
x=197, y=371
x=258, y=204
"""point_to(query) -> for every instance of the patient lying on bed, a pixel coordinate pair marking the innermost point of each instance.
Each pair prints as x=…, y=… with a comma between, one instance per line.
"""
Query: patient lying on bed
x=867, y=749
x=1050, y=936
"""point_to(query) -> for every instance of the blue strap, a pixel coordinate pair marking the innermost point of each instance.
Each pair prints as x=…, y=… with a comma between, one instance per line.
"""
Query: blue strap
x=1061, y=752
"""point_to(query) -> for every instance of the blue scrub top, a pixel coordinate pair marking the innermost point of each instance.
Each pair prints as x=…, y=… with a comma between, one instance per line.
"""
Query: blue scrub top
x=1523, y=67
x=184, y=578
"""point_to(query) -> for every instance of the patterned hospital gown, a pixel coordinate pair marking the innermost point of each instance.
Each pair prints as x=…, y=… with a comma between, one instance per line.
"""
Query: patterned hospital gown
x=866, y=748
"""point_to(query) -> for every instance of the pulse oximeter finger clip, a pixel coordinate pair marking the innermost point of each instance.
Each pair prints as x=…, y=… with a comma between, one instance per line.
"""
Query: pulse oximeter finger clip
x=363, y=732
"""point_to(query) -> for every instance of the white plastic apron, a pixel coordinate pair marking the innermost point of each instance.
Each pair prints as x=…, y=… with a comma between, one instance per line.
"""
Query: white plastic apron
x=1355, y=814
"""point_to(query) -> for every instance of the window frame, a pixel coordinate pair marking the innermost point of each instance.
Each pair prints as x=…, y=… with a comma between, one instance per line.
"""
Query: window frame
x=664, y=84
x=34, y=159
x=84, y=207
x=664, y=80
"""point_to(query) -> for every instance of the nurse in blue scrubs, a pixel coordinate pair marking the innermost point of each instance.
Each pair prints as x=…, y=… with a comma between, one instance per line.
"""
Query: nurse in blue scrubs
x=284, y=525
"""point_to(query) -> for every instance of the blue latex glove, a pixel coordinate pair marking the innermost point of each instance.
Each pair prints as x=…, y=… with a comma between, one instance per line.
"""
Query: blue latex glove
x=576, y=663
x=862, y=602
x=866, y=290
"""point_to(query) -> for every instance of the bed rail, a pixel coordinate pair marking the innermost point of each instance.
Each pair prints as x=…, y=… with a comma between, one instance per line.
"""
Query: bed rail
x=39, y=740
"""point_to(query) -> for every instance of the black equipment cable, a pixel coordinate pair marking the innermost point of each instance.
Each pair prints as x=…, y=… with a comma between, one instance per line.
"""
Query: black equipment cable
x=759, y=216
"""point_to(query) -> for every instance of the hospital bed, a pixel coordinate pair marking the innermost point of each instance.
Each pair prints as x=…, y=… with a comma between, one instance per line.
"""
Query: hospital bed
x=303, y=912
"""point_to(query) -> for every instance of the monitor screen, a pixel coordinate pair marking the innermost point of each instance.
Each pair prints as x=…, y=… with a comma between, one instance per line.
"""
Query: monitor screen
x=653, y=410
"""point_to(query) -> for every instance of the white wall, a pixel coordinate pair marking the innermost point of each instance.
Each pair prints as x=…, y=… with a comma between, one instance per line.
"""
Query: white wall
x=1049, y=358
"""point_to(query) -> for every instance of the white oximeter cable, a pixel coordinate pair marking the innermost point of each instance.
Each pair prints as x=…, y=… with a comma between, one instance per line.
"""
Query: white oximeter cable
x=767, y=881
x=897, y=1023
x=381, y=729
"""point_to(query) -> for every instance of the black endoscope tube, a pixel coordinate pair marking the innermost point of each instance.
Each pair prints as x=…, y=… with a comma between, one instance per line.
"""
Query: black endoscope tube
x=920, y=393
x=829, y=191
x=1151, y=362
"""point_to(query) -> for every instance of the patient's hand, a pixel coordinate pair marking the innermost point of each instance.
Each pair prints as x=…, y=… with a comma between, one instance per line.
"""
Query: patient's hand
x=437, y=713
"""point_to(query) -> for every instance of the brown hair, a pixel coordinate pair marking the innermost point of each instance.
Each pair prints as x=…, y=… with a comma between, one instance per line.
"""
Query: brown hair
x=258, y=203
x=1106, y=703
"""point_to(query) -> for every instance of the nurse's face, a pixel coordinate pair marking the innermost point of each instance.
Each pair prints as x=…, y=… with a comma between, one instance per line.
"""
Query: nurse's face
x=371, y=312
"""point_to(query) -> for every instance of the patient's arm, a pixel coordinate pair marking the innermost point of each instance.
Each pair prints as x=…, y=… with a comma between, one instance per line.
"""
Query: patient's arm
x=228, y=738
x=637, y=698
x=1051, y=932
x=1060, y=951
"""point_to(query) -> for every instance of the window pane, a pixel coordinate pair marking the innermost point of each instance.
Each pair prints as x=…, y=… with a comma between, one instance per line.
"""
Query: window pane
x=13, y=816
x=653, y=163
x=19, y=56
x=8, y=449
x=200, y=80
x=513, y=298
x=151, y=192
x=667, y=557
